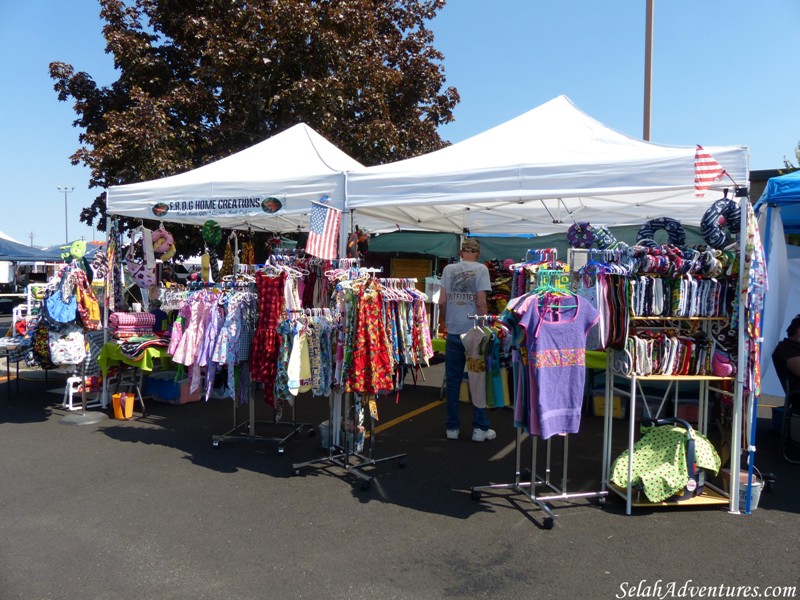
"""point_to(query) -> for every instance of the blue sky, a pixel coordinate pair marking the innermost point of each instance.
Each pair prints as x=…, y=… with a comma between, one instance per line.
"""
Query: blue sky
x=722, y=74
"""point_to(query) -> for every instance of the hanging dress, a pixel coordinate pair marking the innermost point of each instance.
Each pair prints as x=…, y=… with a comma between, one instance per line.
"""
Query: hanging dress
x=372, y=365
x=556, y=343
x=266, y=341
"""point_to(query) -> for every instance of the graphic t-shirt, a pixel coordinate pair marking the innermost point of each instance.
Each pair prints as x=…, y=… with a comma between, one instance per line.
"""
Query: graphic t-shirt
x=461, y=282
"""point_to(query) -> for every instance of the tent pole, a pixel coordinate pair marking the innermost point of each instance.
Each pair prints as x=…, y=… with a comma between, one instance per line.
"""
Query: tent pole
x=347, y=221
x=108, y=289
x=753, y=413
x=741, y=364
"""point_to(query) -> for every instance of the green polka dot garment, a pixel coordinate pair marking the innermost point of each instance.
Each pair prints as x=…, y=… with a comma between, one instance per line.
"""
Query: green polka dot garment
x=659, y=461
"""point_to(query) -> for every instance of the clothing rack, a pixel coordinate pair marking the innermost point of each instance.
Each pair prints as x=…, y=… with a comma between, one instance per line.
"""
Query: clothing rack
x=246, y=430
x=483, y=318
x=344, y=453
x=528, y=488
x=348, y=454
x=201, y=285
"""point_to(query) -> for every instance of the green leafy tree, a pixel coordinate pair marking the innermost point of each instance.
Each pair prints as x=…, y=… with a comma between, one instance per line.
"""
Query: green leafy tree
x=202, y=79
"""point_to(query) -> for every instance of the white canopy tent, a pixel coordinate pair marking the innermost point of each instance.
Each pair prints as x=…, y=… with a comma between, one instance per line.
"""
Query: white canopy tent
x=539, y=173
x=268, y=187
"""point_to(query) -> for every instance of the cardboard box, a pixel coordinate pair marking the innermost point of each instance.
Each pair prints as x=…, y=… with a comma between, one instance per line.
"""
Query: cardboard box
x=618, y=409
x=688, y=412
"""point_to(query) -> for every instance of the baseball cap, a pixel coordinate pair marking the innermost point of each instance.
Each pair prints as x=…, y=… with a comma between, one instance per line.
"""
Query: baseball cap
x=471, y=245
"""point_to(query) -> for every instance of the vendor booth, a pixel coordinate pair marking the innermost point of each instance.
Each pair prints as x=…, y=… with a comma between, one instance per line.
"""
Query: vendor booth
x=553, y=170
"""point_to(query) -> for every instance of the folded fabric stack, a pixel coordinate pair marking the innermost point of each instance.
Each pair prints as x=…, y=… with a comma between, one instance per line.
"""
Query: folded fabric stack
x=127, y=325
x=135, y=350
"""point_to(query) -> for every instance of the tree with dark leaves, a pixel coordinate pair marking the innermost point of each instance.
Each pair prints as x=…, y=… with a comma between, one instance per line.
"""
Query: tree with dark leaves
x=202, y=79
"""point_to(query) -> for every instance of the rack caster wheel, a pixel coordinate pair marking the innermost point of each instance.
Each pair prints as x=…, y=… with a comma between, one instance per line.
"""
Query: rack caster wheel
x=312, y=432
x=365, y=485
x=401, y=464
x=549, y=523
x=296, y=472
x=215, y=443
x=475, y=495
x=281, y=449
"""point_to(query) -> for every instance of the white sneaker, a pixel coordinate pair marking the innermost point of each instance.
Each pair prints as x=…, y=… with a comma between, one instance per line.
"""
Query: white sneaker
x=452, y=434
x=479, y=435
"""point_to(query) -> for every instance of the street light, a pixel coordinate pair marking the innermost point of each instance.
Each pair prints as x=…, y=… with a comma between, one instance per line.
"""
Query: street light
x=66, y=190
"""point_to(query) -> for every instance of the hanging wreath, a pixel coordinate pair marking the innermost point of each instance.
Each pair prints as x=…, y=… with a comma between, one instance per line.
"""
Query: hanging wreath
x=675, y=232
x=580, y=235
x=721, y=215
x=604, y=238
x=212, y=233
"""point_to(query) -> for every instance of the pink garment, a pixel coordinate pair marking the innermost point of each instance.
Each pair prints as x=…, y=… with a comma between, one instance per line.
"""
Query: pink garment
x=184, y=313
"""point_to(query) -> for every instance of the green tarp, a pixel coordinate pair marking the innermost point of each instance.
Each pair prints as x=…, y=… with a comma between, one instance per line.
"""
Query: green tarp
x=445, y=245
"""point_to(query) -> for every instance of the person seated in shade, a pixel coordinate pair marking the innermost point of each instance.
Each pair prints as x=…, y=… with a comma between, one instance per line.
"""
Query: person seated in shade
x=786, y=357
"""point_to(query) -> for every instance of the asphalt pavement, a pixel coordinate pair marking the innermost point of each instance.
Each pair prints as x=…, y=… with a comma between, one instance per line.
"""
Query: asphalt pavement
x=151, y=508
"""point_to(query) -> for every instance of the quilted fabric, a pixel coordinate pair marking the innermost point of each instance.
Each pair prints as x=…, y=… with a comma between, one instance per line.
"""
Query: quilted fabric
x=659, y=461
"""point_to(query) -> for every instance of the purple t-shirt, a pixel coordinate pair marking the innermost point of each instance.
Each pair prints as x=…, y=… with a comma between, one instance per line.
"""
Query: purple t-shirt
x=555, y=339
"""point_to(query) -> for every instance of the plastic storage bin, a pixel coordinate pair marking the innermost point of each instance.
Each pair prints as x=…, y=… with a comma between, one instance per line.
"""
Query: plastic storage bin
x=164, y=388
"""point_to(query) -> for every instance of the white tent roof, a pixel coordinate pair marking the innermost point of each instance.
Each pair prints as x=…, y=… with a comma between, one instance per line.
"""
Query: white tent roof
x=539, y=173
x=296, y=167
x=5, y=236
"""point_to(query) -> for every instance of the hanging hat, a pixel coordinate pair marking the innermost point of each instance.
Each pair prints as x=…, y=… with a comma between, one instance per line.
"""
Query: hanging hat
x=77, y=249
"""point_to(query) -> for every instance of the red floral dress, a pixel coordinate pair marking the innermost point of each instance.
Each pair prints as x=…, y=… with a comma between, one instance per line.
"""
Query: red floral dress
x=372, y=368
x=267, y=342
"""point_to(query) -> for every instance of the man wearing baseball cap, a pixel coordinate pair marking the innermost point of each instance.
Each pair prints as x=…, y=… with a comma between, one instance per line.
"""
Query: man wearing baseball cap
x=464, y=288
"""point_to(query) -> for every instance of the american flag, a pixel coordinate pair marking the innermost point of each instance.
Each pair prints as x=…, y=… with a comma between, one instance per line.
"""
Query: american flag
x=323, y=234
x=706, y=171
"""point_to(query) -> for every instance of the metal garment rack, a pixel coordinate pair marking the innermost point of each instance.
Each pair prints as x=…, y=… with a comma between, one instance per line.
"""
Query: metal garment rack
x=246, y=430
x=342, y=453
x=528, y=488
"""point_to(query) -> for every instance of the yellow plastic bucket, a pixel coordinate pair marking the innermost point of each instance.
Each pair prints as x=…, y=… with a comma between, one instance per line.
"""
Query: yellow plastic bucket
x=123, y=405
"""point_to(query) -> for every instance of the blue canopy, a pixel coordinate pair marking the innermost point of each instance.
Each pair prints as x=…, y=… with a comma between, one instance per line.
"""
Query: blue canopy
x=783, y=191
x=14, y=252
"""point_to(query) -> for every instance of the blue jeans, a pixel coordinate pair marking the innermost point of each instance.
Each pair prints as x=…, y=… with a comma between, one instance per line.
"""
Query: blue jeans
x=455, y=359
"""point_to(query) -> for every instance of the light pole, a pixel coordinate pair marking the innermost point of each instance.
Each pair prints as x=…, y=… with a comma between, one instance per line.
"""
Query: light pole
x=66, y=190
x=648, y=68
